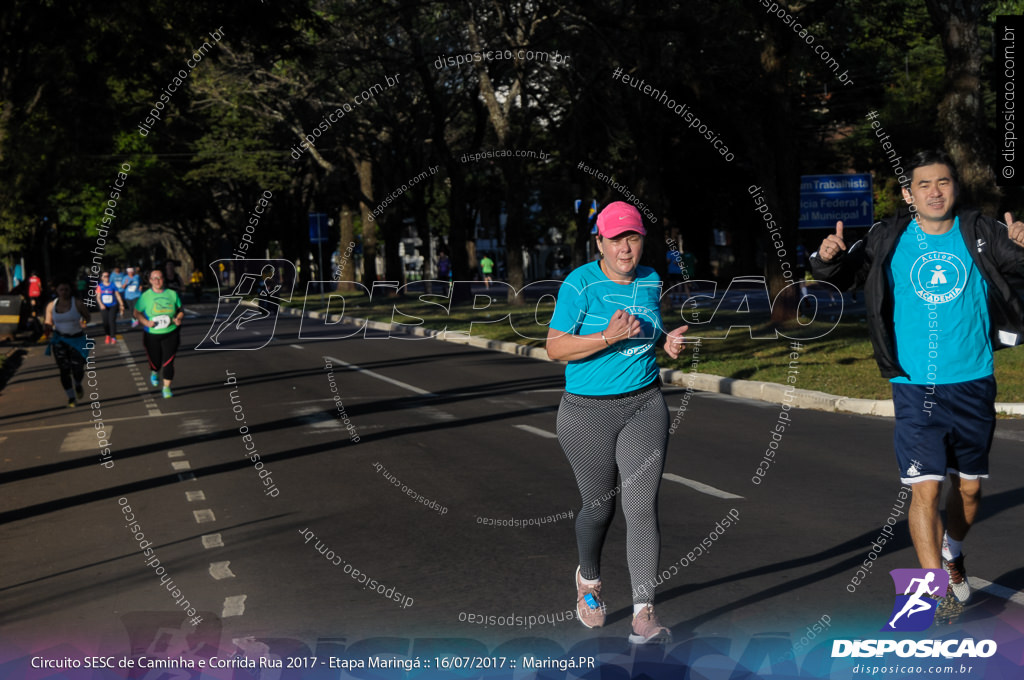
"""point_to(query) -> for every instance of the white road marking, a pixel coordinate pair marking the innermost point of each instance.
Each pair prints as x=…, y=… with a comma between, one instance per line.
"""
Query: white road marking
x=233, y=606
x=203, y=516
x=996, y=590
x=699, y=486
x=82, y=440
x=176, y=453
x=193, y=426
x=181, y=465
x=212, y=541
x=693, y=484
x=108, y=420
x=537, y=431
x=435, y=414
x=252, y=647
x=297, y=346
x=192, y=496
x=220, y=570
x=378, y=376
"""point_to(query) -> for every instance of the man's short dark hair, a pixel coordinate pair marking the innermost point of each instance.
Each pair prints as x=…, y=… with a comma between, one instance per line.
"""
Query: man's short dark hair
x=933, y=157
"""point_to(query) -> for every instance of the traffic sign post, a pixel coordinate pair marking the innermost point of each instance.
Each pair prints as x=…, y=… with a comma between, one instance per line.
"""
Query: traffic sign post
x=826, y=199
x=317, y=235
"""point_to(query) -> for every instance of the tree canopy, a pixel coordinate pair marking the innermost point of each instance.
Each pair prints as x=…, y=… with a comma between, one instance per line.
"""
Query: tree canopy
x=473, y=121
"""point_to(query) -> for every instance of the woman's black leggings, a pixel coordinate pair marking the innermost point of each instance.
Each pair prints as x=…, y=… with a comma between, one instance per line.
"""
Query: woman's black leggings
x=160, y=350
x=109, y=316
x=628, y=436
x=70, y=362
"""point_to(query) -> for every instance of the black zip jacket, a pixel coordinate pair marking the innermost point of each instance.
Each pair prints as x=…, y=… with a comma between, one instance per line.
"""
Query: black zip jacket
x=867, y=263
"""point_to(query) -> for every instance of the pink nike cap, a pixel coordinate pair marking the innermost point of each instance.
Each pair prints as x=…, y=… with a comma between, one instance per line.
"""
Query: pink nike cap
x=619, y=217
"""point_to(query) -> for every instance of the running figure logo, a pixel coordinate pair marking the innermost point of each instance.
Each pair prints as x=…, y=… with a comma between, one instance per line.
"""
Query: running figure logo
x=252, y=305
x=914, y=609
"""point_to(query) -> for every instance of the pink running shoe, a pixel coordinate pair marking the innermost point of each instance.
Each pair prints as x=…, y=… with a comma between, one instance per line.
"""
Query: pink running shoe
x=647, y=628
x=589, y=607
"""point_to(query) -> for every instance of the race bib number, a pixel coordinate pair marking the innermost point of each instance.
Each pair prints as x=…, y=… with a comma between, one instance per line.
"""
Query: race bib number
x=161, y=321
x=132, y=287
x=107, y=299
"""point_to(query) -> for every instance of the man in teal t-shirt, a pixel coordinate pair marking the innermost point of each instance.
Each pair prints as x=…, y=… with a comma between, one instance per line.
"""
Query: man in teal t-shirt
x=938, y=303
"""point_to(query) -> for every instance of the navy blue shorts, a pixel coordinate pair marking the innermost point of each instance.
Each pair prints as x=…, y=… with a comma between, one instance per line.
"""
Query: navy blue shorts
x=944, y=429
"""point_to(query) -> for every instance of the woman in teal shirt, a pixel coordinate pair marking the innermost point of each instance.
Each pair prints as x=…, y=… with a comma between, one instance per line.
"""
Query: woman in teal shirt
x=613, y=419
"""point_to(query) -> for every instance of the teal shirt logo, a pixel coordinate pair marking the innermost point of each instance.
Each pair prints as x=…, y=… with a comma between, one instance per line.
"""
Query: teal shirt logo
x=938, y=277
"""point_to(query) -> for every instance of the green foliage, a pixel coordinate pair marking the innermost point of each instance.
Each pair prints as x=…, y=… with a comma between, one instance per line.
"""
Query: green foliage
x=226, y=134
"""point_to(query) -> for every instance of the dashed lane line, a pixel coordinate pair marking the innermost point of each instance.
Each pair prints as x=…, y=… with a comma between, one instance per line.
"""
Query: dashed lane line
x=233, y=606
x=221, y=570
x=537, y=431
x=691, y=483
x=378, y=376
x=212, y=541
x=699, y=486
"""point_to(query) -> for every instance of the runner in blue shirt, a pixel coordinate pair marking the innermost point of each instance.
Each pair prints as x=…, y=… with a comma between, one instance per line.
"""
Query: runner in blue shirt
x=132, y=291
x=110, y=301
x=612, y=418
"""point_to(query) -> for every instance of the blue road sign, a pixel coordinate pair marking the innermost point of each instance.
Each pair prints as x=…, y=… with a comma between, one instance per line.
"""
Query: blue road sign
x=317, y=227
x=825, y=199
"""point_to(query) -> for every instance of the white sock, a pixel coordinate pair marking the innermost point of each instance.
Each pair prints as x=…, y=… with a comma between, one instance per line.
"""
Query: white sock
x=637, y=608
x=588, y=582
x=950, y=548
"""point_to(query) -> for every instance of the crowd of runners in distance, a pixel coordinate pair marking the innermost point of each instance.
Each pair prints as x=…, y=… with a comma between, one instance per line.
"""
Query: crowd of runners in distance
x=152, y=302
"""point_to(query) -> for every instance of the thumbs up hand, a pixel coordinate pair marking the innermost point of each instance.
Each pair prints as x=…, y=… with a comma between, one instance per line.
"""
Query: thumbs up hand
x=833, y=244
x=1016, y=229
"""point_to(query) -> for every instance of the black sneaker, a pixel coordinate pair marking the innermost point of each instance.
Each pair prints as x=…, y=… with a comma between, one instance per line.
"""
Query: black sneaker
x=71, y=403
x=958, y=578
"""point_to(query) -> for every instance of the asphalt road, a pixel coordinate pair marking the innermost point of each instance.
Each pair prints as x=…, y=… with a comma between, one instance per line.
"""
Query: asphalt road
x=471, y=432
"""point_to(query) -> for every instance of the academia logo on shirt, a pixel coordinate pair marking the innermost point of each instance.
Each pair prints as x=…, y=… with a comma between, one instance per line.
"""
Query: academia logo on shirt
x=938, y=278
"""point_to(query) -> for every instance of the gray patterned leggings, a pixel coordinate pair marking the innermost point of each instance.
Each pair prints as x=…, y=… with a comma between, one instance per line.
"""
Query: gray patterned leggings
x=628, y=436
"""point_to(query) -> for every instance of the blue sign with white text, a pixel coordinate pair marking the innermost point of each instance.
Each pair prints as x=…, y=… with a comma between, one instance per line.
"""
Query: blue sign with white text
x=317, y=228
x=826, y=199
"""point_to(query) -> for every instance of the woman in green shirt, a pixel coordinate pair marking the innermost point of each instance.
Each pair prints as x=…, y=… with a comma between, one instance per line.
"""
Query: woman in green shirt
x=160, y=310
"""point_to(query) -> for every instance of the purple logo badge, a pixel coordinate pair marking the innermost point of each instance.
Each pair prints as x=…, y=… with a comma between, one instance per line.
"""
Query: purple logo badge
x=918, y=592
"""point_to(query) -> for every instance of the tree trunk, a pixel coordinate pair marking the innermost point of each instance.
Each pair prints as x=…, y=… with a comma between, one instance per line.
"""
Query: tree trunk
x=346, y=250
x=364, y=169
x=514, y=194
x=770, y=138
x=961, y=116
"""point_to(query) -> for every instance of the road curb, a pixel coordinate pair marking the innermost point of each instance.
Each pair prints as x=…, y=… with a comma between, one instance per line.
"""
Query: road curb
x=757, y=390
